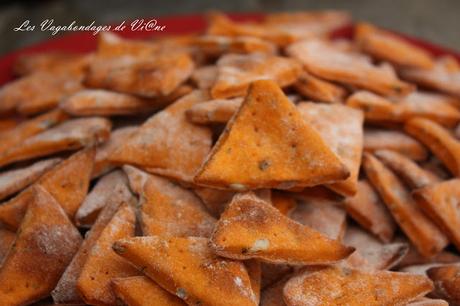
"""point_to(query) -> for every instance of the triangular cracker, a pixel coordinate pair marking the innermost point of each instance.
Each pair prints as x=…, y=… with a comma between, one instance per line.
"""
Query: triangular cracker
x=45, y=244
x=342, y=129
x=267, y=144
x=252, y=228
x=168, y=209
x=368, y=210
x=70, y=135
x=440, y=201
x=343, y=286
x=141, y=290
x=422, y=232
x=103, y=264
x=167, y=143
x=447, y=282
x=67, y=182
x=187, y=268
x=214, y=111
x=320, y=90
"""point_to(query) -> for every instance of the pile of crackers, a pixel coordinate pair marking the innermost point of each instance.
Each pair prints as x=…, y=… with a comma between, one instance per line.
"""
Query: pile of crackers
x=253, y=164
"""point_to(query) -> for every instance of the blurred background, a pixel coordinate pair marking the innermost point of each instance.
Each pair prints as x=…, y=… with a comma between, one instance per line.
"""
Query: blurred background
x=434, y=20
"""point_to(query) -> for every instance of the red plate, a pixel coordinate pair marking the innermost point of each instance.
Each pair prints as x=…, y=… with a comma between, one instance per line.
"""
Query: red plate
x=85, y=41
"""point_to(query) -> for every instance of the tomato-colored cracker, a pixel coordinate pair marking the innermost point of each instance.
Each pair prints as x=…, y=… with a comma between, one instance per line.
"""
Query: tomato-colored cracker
x=103, y=264
x=167, y=143
x=282, y=152
x=327, y=217
x=45, y=244
x=37, y=92
x=67, y=182
x=342, y=129
x=251, y=228
x=29, y=128
x=422, y=232
x=378, y=256
x=327, y=62
x=15, y=180
x=70, y=135
x=114, y=183
x=237, y=71
x=215, y=45
x=411, y=173
x=66, y=289
x=386, y=46
x=379, y=139
x=140, y=290
x=55, y=62
x=343, y=286
x=7, y=238
x=379, y=110
x=168, y=209
x=443, y=76
x=447, y=283
x=439, y=140
x=189, y=269
x=214, y=111
x=317, y=89
x=440, y=202
x=118, y=137
x=152, y=76
x=367, y=209
x=204, y=77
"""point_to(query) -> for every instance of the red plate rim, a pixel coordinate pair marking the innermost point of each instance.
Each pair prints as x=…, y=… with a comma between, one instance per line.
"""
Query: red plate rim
x=175, y=25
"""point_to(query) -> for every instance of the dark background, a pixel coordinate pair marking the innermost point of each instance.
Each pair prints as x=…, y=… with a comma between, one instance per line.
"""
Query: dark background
x=434, y=20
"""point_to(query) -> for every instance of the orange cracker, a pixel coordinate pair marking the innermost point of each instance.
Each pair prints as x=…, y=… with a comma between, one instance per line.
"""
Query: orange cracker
x=152, y=76
x=439, y=140
x=447, y=283
x=367, y=209
x=271, y=273
x=66, y=289
x=251, y=228
x=214, y=111
x=413, y=257
x=440, y=202
x=237, y=71
x=254, y=269
x=117, y=138
x=37, y=92
x=378, y=256
x=170, y=210
x=30, y=128
x=273, y=294
x=215, y=45
x=317, y=89
x=48, y=61
x=140, y=291
x=279, y=152
x=329, y=63
x=411, y=173
x=137, y=178
x=105, y=188
x=70, y=135
x=103, y=264
x=204, y=77
x=422, y=232
x=387, y=46
x=45, y=244
x=377, y=139
x=342, y=129
x=17, y=179
x=167, y=143
x=7, y=238
x=327, y=217
x=343, y=286
x=67, y=182
x=215, y=200
x=380, y=110
x=187, y=268
x=443, y=76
